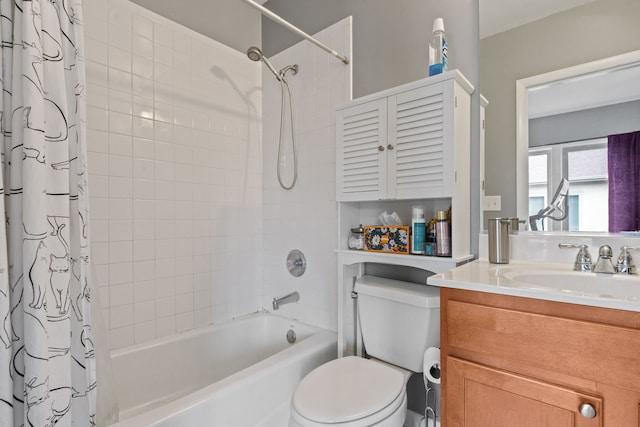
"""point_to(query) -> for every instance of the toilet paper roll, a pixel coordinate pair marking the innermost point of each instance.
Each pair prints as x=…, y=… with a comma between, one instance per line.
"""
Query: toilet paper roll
x=431, y=366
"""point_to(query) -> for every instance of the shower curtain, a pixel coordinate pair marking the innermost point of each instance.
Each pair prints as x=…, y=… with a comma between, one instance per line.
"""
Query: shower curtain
x=47, y=360
x=624, y=182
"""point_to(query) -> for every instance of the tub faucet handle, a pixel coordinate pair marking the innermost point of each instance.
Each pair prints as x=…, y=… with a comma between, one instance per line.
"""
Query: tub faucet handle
x=583, y=258
x=625, y=263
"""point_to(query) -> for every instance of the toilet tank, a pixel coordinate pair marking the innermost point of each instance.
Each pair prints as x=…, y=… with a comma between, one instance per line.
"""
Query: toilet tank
x=398, y=320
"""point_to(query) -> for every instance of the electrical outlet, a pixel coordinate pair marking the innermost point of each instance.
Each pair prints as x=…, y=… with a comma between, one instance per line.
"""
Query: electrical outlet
x=492, y=203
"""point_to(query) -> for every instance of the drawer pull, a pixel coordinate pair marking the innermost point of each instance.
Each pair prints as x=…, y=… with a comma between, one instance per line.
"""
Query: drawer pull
x=389, y=147
x=587, y=410
x=380, y=148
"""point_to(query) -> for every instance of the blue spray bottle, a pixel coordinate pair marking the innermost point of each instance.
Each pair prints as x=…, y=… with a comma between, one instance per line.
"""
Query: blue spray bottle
x=438, y=49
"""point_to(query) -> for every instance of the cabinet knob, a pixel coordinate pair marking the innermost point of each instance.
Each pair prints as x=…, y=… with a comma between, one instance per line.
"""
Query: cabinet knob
x=587, y=410
x=389, y=147
x=380, y=148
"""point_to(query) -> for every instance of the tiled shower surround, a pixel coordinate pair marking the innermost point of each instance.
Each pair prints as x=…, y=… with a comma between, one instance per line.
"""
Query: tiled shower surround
x=188, y=224
x=305, y=217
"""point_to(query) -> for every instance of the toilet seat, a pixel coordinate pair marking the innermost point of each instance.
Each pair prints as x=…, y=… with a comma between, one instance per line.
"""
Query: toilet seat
x=350, y=391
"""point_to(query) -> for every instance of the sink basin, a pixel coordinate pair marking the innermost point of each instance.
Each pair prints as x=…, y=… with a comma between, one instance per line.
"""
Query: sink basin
x=576, y=283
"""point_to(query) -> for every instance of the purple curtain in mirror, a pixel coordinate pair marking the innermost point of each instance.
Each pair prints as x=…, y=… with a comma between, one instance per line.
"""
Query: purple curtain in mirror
x=624, y=182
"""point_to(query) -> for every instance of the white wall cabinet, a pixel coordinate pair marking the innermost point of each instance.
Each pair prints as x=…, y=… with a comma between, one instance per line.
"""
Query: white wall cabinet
x=410, y=142
x=405, y=146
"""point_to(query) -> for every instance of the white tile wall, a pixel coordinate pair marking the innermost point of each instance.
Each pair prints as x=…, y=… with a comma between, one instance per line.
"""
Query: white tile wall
x=305, y=217
x=174, y=140
x=183, y=195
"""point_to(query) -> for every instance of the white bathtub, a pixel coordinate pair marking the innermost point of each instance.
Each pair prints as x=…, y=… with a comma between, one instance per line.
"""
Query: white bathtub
x=241, y=373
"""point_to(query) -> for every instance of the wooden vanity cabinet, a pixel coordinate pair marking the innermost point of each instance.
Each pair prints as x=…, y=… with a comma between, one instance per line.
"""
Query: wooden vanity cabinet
x=519, y=362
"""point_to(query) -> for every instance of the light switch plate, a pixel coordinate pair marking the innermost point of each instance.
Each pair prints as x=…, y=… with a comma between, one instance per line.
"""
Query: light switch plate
x=492, y=203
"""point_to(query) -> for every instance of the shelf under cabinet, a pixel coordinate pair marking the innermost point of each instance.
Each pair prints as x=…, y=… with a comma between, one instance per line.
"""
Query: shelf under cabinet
x=433, y=264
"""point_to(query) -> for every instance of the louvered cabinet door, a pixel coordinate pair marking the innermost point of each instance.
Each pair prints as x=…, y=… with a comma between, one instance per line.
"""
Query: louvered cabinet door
x=416, y=146
x=361, y=161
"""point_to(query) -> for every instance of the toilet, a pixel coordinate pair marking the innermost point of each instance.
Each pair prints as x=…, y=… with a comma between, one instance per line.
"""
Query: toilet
x=399, y=321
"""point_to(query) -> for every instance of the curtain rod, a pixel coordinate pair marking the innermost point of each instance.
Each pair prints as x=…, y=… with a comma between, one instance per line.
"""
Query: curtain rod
x=277, y=19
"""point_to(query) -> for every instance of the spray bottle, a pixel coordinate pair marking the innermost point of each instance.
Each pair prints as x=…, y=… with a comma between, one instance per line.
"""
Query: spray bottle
x=438, y=49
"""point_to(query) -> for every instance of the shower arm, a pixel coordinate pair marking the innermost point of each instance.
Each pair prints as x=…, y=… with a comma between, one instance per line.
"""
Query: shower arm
x=277, y=19
x=271, y=68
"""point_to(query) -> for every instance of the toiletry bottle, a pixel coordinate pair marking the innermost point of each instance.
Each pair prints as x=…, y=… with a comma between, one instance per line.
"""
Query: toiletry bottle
x=430, y=240
x=418, y=230
x=443, y=235
x=438, y=49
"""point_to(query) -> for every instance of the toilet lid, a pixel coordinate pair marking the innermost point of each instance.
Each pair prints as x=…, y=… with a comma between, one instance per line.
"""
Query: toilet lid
x=347, y=389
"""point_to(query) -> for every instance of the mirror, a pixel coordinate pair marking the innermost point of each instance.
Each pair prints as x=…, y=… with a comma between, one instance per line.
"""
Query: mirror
x=563, y=119
x=585, y=32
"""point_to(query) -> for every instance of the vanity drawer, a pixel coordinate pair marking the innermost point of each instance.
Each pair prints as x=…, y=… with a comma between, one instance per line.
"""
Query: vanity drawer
x=595, y=352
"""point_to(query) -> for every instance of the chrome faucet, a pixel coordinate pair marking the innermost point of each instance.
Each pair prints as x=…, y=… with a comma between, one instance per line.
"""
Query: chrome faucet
x=583, y=259
x=604, y=263
x=625, y=262
x=292, y=297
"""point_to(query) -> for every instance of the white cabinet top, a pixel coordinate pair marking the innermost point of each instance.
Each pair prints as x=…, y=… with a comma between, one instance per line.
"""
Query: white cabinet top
x=449, y=75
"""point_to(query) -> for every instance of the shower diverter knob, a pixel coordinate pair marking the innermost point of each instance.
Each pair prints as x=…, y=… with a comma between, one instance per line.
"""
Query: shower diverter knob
x=296, y=263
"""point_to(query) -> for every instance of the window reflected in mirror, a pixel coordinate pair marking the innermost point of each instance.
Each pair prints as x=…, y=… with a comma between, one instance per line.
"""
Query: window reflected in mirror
x=584, y=165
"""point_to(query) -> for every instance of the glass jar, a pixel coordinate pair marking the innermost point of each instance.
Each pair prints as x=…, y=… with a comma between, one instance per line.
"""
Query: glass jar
x=356, y=238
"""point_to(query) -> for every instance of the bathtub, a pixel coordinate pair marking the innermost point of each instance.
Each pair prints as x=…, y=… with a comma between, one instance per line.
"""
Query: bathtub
x=240, y=373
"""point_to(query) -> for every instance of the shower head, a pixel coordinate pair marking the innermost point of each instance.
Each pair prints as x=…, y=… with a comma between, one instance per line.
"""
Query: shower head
x=255, y=54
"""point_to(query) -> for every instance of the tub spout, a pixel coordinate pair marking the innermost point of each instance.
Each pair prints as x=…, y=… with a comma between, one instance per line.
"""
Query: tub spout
x=292, y=297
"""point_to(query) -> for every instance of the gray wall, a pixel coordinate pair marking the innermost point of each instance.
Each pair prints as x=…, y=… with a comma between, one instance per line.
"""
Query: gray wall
x=390, y=40
x=231, y=22
x=598, y=30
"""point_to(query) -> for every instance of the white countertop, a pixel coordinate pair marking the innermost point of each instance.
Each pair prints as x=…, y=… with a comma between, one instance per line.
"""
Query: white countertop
x=545, y=281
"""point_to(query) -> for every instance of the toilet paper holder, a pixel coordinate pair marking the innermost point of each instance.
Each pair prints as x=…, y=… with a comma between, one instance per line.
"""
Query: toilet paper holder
x=431, y=376
x=429, y=411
